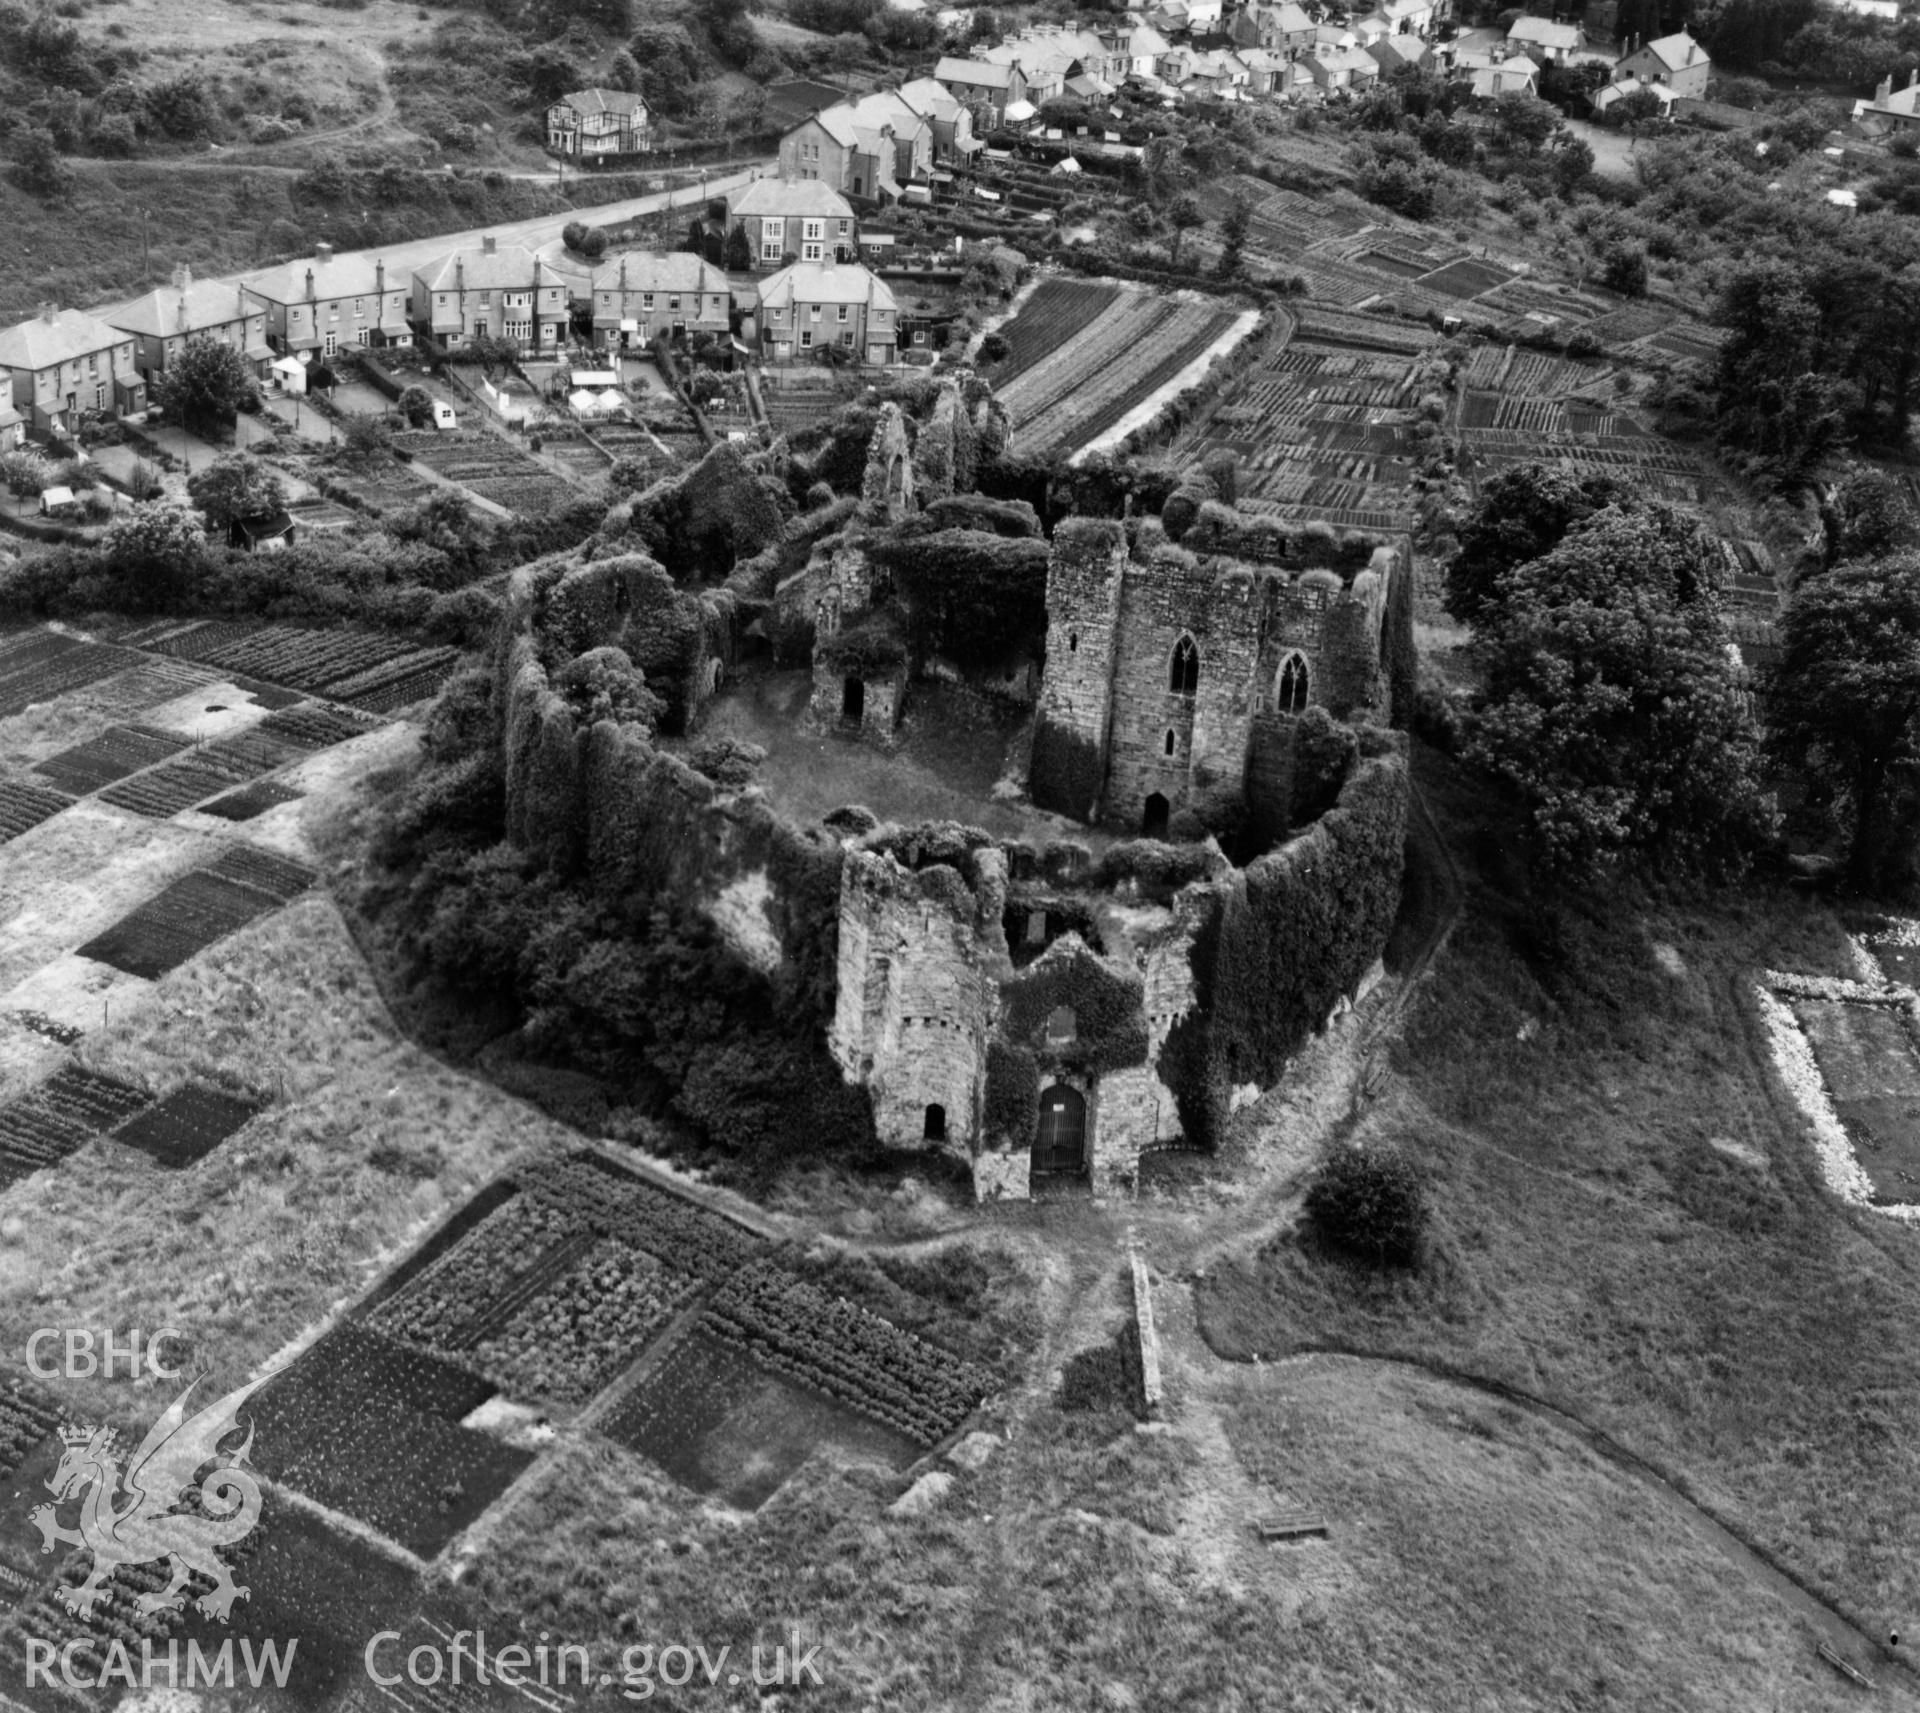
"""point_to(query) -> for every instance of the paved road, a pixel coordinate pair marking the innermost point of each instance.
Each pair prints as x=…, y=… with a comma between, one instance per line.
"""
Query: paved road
x=542, y=233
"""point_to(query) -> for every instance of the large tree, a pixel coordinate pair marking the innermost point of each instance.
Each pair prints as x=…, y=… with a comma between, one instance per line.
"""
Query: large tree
x=206, y=385
x=234, y=489
x=1867, y=514
x=1616, y=709
x=1524, y=121
x=1233, y=236
x=1778, y=391
x=1523, y=512
x=1843, y=704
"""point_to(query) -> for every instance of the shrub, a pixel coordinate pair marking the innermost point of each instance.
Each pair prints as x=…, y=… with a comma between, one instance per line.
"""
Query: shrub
x=1369, y=1203
x=25, y=473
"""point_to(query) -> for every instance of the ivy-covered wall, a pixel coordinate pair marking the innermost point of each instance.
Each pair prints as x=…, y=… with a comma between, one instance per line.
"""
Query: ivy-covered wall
x=1294, y=933
x=1108, y=1006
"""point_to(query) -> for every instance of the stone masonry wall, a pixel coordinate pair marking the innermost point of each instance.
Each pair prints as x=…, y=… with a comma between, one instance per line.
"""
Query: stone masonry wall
x=916, y=995
x=1084, y=578
x=1170, y=599
x=1108, y=710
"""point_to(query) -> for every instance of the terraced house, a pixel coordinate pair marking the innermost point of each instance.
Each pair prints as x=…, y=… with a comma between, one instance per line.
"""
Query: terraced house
x=812, y=305
x=644, y=296
x=331, y=303
x=867, y=148
x=800, y=218
x=495, y=291
x=593, y=124
x=165, y=319
x=986, y=90
x=63, y=364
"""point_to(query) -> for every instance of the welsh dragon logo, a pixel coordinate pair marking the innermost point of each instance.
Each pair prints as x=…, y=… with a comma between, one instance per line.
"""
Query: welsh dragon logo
x=136, y=1517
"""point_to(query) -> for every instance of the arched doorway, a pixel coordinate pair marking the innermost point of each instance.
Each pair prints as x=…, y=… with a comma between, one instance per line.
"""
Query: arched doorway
x=1154, y=816
x=853, y=701
x=1060, y=1142
x=935, y=1129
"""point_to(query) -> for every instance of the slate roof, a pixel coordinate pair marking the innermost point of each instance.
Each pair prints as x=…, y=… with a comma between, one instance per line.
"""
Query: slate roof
x=46, y=341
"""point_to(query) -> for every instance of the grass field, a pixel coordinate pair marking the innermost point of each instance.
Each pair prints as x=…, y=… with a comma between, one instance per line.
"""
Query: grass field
x=1631, y=1222
x=952, y=749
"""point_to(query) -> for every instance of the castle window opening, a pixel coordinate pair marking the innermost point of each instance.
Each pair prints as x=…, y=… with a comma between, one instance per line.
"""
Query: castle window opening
x=1154, y=815
x=1073, y=642
x=1183, y=675
x=935, y=1129
x=853, y=700
x=1291, y=694
x=1062, y=1026
x=1168, y=745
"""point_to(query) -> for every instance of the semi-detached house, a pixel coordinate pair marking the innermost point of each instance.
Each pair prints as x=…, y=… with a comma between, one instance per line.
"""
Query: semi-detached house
x=165, y=319
x=815, y=304
x=492, y=291
x=63, y=364
x=331, y=303
x=643, y=295
x=797, y=217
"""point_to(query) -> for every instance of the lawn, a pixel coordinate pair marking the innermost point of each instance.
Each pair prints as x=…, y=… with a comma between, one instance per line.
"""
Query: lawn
x=952, y=749
x=1630, y=1220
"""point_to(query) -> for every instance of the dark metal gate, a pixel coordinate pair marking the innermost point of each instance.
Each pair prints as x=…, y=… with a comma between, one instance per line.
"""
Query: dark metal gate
x=1060, y=1143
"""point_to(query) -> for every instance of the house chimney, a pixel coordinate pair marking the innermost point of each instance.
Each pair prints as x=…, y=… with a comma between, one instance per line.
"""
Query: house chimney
x=323, y=253
x=309, y=284
x=1913, y=77
x=48, y=312
x=488, y=244
x=380, y=280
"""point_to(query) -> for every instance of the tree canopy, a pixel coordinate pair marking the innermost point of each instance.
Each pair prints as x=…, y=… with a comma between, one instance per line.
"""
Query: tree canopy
x=1523, y=512
x=1616, y=708
x=206, y=385
x=233, y=489
x=1843, y=704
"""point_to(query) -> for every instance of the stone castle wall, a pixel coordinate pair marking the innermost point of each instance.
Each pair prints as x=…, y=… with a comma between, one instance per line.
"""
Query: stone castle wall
x=1114, y=727
x=1085, y=577
x=917, y=993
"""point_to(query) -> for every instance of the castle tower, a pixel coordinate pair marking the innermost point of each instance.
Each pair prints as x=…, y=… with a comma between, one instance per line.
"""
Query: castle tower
x=1085, y=577
x=916, y=993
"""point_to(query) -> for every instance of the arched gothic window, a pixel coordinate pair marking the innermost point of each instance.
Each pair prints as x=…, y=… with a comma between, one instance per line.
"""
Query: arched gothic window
x=1183, y=674
x=1291, y=689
